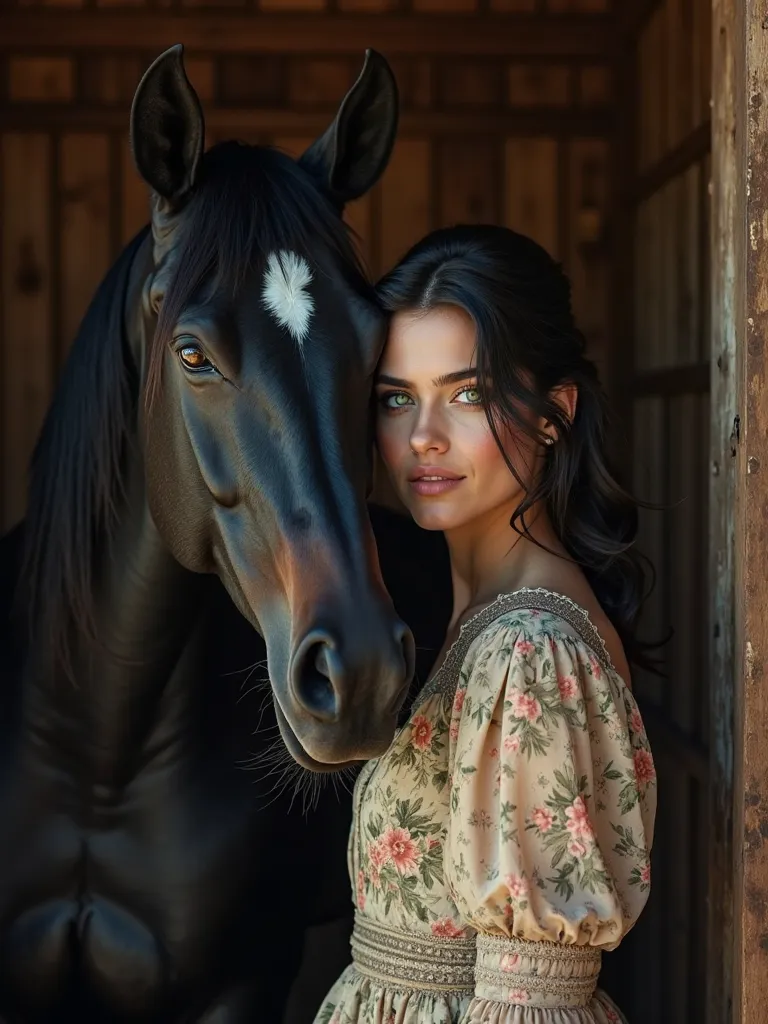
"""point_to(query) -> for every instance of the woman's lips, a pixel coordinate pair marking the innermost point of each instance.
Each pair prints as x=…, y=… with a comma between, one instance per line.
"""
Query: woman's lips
x=430, y=481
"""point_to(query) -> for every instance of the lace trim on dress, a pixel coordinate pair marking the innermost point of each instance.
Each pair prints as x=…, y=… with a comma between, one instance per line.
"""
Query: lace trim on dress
x=408, y=961
x=529, y=973
x=527, y=598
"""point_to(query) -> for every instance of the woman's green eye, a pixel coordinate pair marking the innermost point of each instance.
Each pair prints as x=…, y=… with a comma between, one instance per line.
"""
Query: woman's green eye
x=470, y=396
x=397, y=400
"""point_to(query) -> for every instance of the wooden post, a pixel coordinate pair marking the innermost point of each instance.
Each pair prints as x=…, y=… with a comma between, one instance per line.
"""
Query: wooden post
x=738, y=931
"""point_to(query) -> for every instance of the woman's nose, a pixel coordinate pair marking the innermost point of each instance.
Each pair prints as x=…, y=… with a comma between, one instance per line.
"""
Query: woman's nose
x=427, y=437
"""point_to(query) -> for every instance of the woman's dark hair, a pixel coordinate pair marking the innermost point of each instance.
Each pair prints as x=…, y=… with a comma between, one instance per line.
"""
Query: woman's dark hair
x=528, y=345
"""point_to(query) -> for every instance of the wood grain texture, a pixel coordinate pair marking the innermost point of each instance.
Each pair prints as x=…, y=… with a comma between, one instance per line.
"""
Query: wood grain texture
x=84, y=230
x=27, y=353
x=406, y=200
x=531, y=190
x=285, y=33
x=728, y=325
x=751, y=807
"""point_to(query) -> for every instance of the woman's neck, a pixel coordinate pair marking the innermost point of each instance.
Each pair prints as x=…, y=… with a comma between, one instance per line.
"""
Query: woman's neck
x=490, y=557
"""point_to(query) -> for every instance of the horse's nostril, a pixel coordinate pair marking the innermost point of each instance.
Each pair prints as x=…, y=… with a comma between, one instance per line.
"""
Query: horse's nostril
x=312, y=685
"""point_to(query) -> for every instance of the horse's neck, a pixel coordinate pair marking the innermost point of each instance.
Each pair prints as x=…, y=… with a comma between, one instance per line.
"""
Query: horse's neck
x=125, y=695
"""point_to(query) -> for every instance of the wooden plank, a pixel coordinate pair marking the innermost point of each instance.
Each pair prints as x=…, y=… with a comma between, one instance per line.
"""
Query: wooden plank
x=684, y=379
x=728, y=324
x=514, y=5
x=595, y=85
x=109, y=79
x=531, y=190
x=237, y=121
x=258, y=82
x=319, y=82
x=691, y=150
x=406, y=200
x=688, y=245
x=41, y=79
x=701, y=62
x=685, y=685
x=468, y=182
x=444, y=6
x=649, y=484
x=27, y=364
x=134, y=205
x=580, y=6
x=414, y=81
x=652, y=98
x=85, y=248
x=224, y=33
x=585, y=260
x=464, y=83
x=748, y=87
x=538, y=85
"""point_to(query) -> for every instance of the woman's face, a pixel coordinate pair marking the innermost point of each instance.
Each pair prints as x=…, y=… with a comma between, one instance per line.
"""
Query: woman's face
x=432, y=430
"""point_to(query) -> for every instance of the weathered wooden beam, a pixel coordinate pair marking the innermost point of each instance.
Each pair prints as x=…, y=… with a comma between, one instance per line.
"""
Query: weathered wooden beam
x=691, y=150
x=725, y=916
x=542, y=121
x=38, y=30
x=741, y=77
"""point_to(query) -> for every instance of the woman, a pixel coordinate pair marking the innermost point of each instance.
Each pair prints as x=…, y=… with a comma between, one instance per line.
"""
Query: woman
x=503, y=840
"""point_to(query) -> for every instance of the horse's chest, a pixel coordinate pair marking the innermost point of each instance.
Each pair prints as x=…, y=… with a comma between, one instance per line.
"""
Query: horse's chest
x=128, y=899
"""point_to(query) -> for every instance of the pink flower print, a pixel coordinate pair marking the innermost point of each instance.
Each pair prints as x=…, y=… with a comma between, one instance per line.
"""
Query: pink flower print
x=636, y=723
x=402, y=850
x=610, y=1014
x=597, y=669
x=421, y=732
x=453, y=731
x=518, y=995
x=336, y=1018
x=375, y=878
x=512, y=744
x=542, y=819
x=644, y=768
x=525, y=706
x=645, y=874
x=517, y=885
x=458, y=701
x=577, y=849
x=578, y=823
x=432, y=843
x=360, y=890
x=446, y=928
x=567, y=687
x=509, y=962
x=377, y=853
x=524, y=648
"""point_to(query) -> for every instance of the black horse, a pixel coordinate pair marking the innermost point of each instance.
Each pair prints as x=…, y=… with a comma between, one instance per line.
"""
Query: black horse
x=199, y=483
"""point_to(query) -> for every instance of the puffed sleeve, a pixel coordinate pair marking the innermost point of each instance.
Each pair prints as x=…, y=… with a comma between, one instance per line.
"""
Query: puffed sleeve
x=552, y=789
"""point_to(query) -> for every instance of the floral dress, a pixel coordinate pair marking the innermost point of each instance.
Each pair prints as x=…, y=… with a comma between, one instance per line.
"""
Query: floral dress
x=503, y=840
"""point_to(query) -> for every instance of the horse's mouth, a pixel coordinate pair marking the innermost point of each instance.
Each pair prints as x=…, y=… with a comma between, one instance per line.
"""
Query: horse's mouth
x=299, y=754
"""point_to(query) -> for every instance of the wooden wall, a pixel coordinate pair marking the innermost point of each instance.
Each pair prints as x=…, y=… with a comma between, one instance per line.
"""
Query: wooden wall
x=665, y=298
x=506, y=117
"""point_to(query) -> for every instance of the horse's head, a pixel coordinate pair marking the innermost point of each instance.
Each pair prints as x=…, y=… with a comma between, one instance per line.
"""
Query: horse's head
x=257, y=337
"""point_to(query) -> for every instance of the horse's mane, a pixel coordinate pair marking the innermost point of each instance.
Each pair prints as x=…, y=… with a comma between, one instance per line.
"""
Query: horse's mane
x=250, y=200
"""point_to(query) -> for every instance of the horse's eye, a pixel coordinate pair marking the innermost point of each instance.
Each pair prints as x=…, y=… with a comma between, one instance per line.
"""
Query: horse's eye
x=193, y=358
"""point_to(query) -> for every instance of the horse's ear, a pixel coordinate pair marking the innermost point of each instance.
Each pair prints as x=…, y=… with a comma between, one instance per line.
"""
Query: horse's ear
x=167, y=128
x=353, y=153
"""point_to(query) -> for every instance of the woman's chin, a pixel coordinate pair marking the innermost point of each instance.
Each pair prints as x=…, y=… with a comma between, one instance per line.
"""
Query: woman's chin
x=437, y=519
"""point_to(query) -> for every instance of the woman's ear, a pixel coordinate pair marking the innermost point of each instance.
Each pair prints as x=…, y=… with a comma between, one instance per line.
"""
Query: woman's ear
x=565, y=397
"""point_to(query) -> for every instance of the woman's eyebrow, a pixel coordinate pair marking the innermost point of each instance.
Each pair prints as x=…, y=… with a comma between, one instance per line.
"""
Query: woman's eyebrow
x=438, y=382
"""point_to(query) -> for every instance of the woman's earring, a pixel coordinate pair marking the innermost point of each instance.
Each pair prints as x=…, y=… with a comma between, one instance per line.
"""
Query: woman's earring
x=550, y=440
